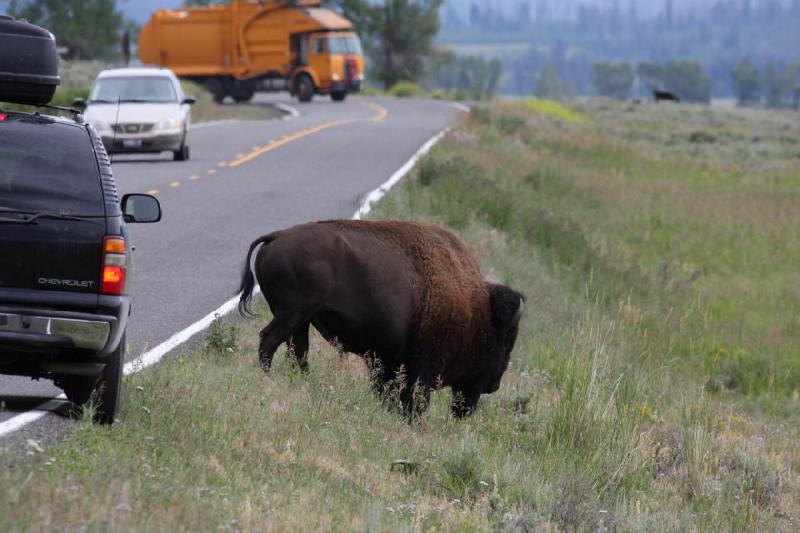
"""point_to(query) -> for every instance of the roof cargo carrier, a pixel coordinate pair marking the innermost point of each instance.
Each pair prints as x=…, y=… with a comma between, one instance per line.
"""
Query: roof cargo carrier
x=28, y=63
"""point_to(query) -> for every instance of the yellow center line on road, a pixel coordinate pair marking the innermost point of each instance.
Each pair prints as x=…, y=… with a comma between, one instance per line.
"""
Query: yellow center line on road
x=153, y=191
x=380, y=111
x=222, y=164
x=286, y=139
x=174, y=184
x=194, y=178
x=212, y=170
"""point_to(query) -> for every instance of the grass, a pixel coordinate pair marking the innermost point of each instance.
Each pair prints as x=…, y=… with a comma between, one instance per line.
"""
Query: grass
x=605, y=420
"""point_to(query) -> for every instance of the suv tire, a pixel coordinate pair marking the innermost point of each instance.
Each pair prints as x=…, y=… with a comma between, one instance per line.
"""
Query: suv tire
x=104, y=390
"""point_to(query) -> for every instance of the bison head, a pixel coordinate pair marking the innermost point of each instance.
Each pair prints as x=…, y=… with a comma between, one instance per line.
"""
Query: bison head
x=507, y=306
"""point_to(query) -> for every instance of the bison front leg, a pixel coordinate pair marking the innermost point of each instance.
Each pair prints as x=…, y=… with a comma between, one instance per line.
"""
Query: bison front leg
x=464, y=403
x=415, y=394
x=298, y=343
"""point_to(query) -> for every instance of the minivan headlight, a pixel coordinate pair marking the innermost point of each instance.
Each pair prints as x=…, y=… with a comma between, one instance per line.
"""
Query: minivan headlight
x=172, y=124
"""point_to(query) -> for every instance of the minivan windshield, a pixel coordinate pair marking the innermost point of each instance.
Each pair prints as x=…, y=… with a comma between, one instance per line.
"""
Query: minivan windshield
x=48, y=167
x=145, y=89
x=346, y=44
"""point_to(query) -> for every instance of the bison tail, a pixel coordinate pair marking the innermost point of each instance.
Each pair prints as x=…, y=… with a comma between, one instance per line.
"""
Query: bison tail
x=248, y=279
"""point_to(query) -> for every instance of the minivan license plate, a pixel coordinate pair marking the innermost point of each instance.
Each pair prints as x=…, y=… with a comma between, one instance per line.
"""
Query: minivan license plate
x=132, y=143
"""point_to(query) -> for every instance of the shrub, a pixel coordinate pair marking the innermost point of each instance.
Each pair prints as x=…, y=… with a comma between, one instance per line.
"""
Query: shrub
x=222, y=338
x=462, y=471
x=405, y=89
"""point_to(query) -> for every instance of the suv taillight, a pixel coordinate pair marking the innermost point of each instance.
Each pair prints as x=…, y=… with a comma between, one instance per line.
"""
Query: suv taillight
x=115, y=260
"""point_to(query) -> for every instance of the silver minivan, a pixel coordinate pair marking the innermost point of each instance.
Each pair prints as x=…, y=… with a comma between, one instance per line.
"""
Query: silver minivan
x=140, y=110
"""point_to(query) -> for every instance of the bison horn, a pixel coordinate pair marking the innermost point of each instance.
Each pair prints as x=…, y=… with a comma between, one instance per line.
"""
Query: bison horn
x=518, y=314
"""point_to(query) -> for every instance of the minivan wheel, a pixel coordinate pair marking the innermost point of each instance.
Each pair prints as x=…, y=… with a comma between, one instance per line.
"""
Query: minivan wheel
x=103, y=390
x=182, y=154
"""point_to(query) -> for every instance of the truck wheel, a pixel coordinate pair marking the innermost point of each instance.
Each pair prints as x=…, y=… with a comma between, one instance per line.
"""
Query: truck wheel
x=304, y=88
x=104, y=390
x=243, y=91
x=217, y=89
x=243, y=98
x=338, y=96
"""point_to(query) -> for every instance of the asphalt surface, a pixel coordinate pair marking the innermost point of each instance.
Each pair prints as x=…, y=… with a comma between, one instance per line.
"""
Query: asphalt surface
x=244, y=179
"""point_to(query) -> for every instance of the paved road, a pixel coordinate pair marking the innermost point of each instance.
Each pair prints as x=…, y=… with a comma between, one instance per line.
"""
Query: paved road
x=244, y=179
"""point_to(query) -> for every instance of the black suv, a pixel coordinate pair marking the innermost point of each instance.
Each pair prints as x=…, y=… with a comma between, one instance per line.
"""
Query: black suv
x=64, y=247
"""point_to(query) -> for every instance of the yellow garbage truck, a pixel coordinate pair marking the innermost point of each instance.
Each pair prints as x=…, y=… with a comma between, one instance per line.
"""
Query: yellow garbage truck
x=242, y=47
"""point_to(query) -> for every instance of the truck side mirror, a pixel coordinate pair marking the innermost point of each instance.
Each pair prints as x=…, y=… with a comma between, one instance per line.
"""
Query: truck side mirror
x=189, y=100
x=79, y=103
x=140, y=208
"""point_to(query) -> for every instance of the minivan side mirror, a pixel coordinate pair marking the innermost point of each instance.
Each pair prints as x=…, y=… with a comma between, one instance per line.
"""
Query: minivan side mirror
x=140, y=208
x=79, y=103
x=189, y=100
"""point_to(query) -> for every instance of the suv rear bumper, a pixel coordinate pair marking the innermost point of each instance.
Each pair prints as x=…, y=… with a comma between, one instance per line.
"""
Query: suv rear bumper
x=87, y=333
x=61, y=322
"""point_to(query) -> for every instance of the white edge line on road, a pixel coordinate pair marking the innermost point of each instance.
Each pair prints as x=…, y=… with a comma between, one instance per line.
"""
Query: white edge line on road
x=290, y=111
x=461, y=107
x=153, y=356
x=201, y=125
x=17, y=422
x=376, y=194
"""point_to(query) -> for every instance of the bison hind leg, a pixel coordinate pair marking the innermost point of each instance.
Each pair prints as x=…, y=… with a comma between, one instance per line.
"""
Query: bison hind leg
x=278, y=331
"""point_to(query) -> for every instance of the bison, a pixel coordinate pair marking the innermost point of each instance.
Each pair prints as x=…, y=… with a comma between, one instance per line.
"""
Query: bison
x=663, y=95
x=407, y=296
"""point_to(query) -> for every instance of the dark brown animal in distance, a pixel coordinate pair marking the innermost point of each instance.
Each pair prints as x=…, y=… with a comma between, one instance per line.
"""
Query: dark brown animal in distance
x=407, y=296
x=663, y=95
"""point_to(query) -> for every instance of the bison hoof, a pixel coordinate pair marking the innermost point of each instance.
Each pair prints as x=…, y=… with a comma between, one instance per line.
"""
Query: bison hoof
x=266, y=363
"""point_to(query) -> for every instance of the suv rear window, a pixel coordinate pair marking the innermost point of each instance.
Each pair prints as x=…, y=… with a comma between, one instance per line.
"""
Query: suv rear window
x=46, y=166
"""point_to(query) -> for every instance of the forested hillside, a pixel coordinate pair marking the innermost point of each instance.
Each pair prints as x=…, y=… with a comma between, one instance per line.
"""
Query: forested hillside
x=571, y=36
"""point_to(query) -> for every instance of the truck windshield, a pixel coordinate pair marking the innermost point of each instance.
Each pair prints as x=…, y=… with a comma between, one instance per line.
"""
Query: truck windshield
x=48, y=167
x=156, y=89
x=347, y=44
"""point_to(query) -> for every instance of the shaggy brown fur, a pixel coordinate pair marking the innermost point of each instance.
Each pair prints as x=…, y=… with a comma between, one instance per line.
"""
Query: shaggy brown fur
x=408, y=295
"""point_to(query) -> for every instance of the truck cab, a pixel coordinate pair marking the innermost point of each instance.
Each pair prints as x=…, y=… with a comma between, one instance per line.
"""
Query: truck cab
x=333, y=61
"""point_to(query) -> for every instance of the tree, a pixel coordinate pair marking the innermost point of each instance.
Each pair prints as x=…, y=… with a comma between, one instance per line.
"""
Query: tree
x=88, y=28
x=746, y=82
x=613, y=80
x=651, y=74
x=471, y=74
x=364, y=17
x=550, y=86
x=793, y=77
x=404, y=30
